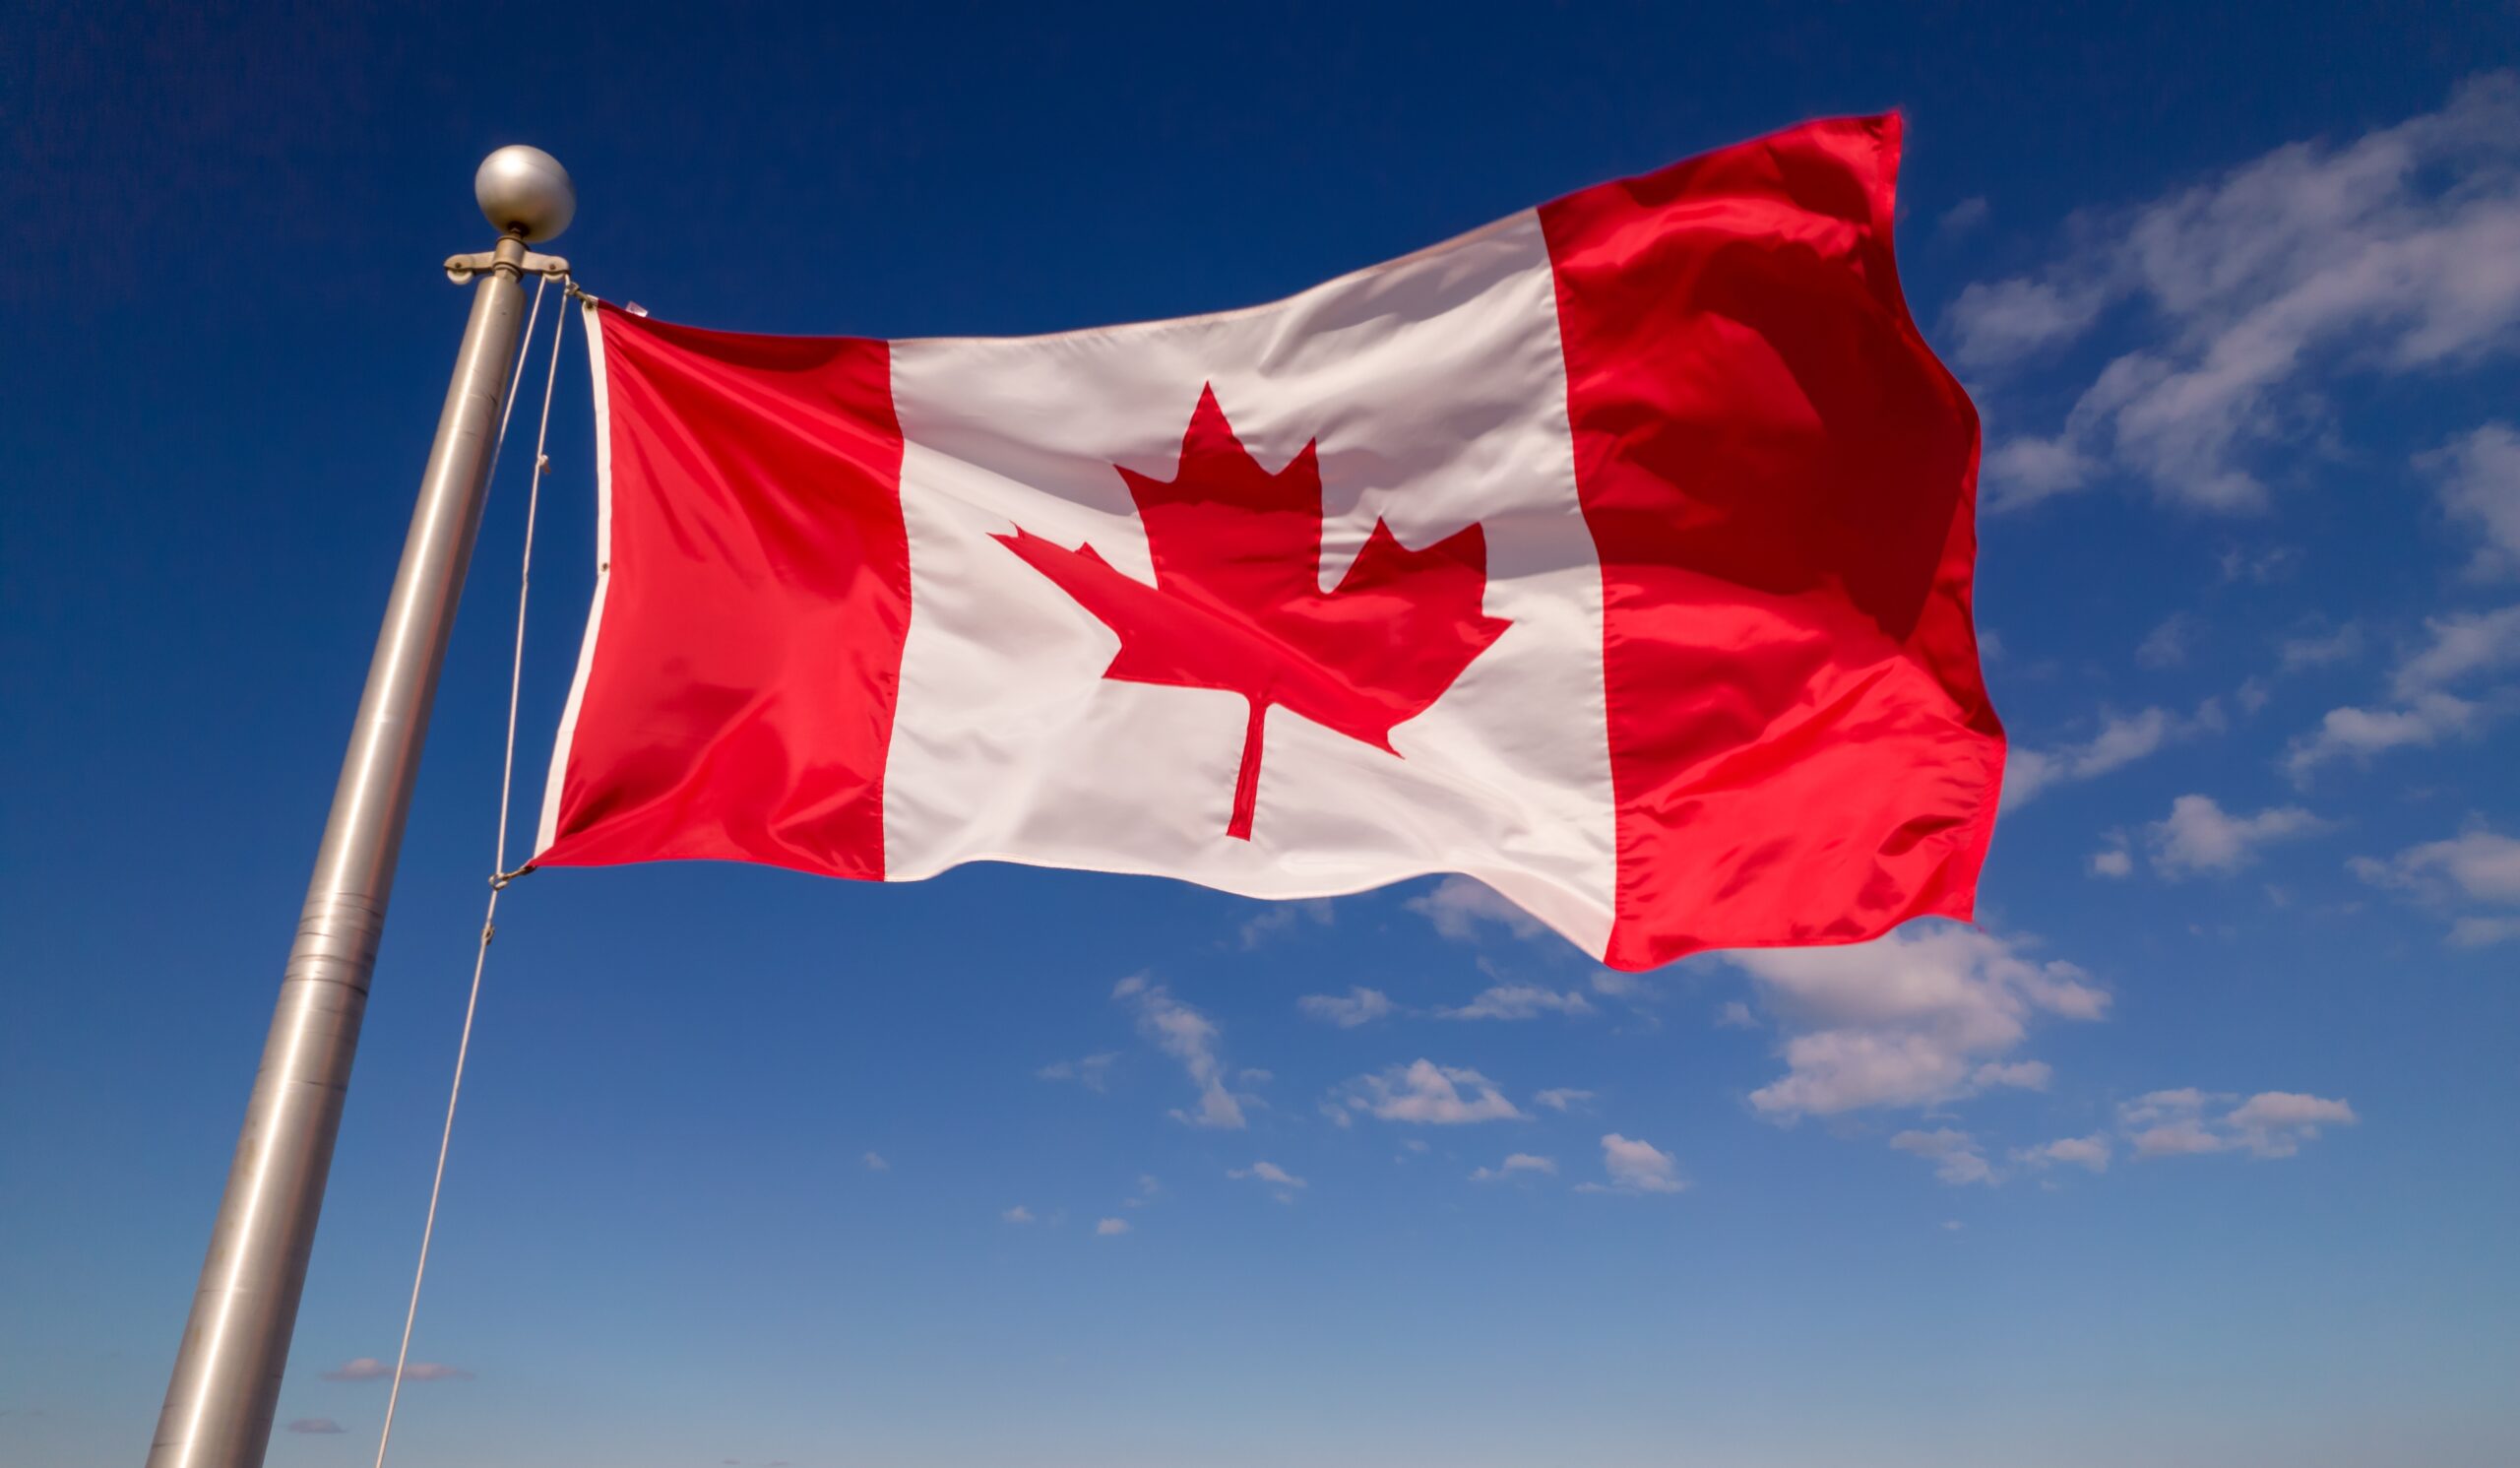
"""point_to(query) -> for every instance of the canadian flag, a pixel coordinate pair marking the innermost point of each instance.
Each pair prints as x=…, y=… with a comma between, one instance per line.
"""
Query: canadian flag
x=1616, y=554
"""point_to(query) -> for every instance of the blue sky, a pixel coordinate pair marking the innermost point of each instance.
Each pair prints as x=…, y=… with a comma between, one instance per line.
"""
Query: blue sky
x=2198, y=1151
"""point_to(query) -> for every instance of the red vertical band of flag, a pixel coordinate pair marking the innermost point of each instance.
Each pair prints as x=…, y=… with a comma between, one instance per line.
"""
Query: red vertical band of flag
x=739, y=696
x=1780, y=480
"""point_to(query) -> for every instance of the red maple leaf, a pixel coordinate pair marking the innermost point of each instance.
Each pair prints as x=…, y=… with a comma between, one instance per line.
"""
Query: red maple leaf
x=1237, y=603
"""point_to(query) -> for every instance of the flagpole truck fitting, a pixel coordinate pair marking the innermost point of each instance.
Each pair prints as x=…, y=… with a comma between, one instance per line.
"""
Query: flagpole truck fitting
x=226, y=1385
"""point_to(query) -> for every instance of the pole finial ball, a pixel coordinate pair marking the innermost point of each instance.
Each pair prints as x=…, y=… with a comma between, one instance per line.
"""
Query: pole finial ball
x=524, y=191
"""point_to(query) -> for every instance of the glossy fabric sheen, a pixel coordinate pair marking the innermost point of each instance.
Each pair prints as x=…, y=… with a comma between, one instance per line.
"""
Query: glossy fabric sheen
x=737, y=696
x=1780, y=480
x=1752, y=539
x=1356, y=507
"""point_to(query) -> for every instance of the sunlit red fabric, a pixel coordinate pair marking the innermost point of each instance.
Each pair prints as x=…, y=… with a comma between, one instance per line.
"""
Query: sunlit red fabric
x=736, y=699
x=1620, y=553
x=1780, y=480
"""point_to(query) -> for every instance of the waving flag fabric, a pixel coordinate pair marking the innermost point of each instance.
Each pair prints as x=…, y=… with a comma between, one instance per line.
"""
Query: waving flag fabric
x=1616, y=554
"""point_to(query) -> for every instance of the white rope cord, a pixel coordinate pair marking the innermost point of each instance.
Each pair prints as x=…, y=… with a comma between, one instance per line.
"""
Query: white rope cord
x=500, y=876
x=517, y=378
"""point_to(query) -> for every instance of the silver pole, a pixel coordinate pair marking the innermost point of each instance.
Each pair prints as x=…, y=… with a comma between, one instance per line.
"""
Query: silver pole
x=227, y=1371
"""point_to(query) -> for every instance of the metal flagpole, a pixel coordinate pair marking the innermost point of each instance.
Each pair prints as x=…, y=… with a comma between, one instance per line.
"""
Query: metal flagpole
x=227, y=1377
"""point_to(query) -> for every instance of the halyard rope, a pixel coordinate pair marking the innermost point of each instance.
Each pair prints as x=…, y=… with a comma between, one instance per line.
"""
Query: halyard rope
x=500, y=876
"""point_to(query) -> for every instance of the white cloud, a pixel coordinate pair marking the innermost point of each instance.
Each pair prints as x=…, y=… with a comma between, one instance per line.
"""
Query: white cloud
x=1911, y=1019
x=1148, y=1188
x=2190, y=1122
x=1458, y=904
x=2024, y=471
x=1093, y=1072
x=1635, y=1166
x=2480, y=932
x=1285, y=917
x=2360, y=732
x=2263, y=569
x=2455, y=647
x=2165, y=646
x=2154, y=1106
x=2476, y=865
x=369, y=1368
x=2286, y=1116
x=1735, y=1015
x=2319, y=649
x=2018, y=1075
x=2479, y=478
x=1284, y=1182
x=2027, y=772
x=2113, y=862
x=1426, y=1092
x=875, y=1163
x=1955, y=1155
x=2199, y=836
x=318, y=1425
x=1520, y=1001
x=1963, y=217
x=1613, y=983
x=2460, y=643
x=1518, y=1162
x=2091, y=1152
x=2120, y=741
x=1019, y=1214
x=1359, y=1007
x=1190, y=1036
x=2185, y=1137
x=1997, y=322
x=2397, y=253
x=1110, y=1228
x=1564, y=1099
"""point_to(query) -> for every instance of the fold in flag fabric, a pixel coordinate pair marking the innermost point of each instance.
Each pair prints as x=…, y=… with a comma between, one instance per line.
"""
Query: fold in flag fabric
x=1616, y=555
